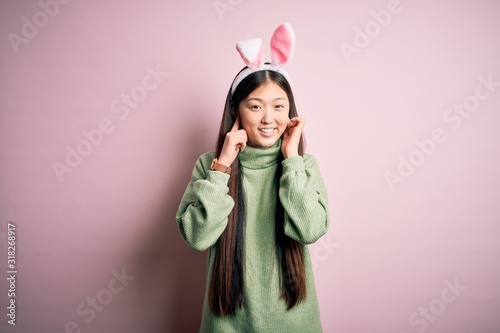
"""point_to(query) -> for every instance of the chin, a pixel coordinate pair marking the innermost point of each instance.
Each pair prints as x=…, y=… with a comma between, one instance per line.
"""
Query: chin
x=266, y=143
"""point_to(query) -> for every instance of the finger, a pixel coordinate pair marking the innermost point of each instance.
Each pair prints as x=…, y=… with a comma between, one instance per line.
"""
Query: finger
x=237, y=139
x=237, y=136
x=236, y=125
x=243, y=142
x=291, y=126
x=293, y=122
x=286, y=132
x=242, y=146
x=297, y=124
x=296, y=121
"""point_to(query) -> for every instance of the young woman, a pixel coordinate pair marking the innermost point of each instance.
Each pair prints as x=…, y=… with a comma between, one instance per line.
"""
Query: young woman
x=255, y=203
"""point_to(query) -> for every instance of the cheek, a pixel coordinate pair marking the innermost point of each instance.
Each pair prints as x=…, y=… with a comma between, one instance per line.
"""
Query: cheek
x=245, y=120
x=282, y=119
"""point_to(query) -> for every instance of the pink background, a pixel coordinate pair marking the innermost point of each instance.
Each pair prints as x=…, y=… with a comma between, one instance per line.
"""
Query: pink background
x=391, y=253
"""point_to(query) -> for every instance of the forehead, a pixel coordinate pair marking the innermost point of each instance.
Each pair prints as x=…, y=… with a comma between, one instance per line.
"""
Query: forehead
x=268, y=91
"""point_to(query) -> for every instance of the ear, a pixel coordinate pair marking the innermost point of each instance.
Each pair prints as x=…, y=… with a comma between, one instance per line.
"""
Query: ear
x=251, y=51
x=282, y=44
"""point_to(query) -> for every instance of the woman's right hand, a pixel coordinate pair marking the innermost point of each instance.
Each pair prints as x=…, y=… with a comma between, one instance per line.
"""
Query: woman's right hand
x=235, y=141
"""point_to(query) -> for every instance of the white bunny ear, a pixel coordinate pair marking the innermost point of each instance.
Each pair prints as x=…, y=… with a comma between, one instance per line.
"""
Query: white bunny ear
x=251, y=51
x=282, y=44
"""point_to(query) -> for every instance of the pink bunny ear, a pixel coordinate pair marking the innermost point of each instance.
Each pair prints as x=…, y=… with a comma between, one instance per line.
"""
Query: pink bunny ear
x=251, y=51
x=282, y=44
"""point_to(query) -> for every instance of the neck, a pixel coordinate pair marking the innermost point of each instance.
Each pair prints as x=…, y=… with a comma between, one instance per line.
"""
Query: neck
x=259, y=158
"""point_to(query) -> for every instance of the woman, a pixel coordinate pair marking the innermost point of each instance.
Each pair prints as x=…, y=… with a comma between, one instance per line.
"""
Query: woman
x=255, y=203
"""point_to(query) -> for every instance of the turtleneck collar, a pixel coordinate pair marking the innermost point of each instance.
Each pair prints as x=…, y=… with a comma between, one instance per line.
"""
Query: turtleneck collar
x=260, y=158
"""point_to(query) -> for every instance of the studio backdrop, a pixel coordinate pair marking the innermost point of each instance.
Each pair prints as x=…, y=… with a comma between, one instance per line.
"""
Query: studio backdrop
x=106, y=105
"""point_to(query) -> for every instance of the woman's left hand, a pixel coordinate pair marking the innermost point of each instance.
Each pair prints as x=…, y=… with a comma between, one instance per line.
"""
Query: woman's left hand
x=291, y=137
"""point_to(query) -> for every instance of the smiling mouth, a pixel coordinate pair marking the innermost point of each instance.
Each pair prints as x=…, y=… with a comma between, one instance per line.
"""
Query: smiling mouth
x=267, y=130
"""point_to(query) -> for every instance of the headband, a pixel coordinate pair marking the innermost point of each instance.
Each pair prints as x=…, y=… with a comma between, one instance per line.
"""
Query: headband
x=250, y=50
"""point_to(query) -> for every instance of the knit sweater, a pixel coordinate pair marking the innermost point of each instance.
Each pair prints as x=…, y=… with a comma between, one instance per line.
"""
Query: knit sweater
x=203, y=215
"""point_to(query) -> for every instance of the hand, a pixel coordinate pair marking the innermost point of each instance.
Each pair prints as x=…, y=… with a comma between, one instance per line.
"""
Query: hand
x=235, y=141
x=291, y=137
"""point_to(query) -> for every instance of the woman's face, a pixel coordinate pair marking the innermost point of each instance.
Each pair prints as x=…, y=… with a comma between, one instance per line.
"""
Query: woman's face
x=264, y=115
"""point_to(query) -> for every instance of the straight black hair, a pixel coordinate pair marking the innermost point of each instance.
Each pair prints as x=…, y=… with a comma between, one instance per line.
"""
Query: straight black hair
x=226, y=294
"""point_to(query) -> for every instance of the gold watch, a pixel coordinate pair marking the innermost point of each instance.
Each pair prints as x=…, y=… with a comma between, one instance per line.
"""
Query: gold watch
x=216, y=166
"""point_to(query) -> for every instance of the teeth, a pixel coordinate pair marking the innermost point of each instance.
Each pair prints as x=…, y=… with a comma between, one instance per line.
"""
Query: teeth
x=267, y=130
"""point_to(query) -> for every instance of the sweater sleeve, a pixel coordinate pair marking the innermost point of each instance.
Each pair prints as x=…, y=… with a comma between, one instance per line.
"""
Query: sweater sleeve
x=304, y=198
x=205, y=206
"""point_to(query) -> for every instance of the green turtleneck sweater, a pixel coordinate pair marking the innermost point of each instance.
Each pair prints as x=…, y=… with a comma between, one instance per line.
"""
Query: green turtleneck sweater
x=202, y=217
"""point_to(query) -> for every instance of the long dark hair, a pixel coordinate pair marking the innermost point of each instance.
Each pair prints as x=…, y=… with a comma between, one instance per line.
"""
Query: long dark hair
x=227, y=280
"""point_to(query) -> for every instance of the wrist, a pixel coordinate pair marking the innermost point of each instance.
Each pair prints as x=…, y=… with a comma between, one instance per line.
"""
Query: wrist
x=217, y=165
x=222, y=159
x=224, y=162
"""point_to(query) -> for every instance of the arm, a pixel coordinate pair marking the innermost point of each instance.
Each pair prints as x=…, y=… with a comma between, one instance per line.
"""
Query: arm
x=205, y=207
x=303, y=196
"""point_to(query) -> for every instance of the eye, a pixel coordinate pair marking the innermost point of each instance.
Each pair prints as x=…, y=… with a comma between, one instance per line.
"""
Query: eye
x=279, y=106
x=255, y=107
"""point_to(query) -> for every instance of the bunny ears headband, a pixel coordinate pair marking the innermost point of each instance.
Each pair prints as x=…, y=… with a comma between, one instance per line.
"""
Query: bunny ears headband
x=282, y=45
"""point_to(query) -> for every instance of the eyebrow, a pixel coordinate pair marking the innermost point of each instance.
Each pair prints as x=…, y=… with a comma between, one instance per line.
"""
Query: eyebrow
x=260, y=100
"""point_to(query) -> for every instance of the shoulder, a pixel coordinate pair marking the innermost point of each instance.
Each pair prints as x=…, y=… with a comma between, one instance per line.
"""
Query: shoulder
x=208, y=156
x=297, y=163
x=205, y=160
x=309, y=160
x=202, y=165
x=311, y=163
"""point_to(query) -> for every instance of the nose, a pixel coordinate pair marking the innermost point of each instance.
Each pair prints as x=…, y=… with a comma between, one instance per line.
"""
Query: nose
x=267, y=116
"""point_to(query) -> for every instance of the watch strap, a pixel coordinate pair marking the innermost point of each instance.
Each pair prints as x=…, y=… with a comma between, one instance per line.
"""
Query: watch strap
x=216, y=166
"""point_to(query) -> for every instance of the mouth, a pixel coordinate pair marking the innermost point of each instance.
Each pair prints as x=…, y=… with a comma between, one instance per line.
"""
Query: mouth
x=268, y=130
